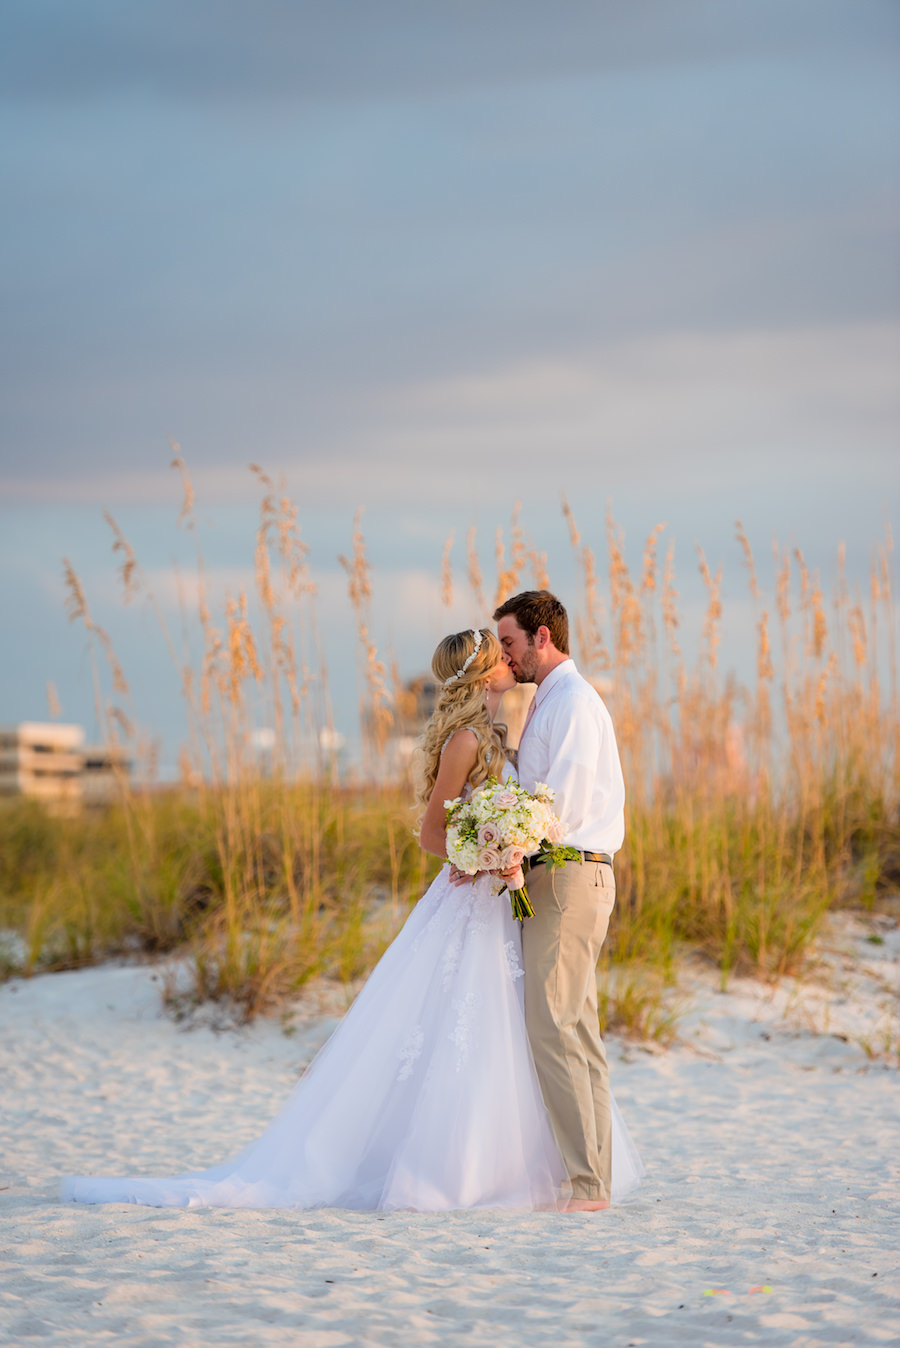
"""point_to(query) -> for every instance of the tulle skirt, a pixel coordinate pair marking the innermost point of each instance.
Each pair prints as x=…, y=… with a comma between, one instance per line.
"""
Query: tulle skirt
x=425, y=1097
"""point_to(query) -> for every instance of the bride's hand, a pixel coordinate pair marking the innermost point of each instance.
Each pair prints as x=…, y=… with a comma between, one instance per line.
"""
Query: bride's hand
x=458, y=877
x=513, y=877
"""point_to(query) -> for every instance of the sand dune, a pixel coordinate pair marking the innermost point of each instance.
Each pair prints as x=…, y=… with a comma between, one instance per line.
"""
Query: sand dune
x=770, y=1213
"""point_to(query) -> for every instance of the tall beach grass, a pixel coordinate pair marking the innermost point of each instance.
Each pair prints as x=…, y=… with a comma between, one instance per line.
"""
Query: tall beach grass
x=752, y=807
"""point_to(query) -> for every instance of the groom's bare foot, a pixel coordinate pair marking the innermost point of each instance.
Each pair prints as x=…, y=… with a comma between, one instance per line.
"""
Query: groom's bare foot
x=586, y=1205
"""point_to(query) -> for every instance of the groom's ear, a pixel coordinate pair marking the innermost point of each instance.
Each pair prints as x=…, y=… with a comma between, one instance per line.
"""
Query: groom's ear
x=542, y=638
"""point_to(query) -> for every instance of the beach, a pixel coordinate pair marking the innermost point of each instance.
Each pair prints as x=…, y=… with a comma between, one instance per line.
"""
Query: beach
x=770, y=1212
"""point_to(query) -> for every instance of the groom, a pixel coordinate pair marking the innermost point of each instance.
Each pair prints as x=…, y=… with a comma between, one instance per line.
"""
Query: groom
x=569, y=743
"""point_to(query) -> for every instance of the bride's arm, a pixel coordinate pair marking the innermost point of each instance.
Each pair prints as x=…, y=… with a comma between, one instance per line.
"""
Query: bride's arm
x=456, y=763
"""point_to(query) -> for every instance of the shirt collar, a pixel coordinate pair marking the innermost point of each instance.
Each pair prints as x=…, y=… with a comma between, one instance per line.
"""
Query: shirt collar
x=553, y=678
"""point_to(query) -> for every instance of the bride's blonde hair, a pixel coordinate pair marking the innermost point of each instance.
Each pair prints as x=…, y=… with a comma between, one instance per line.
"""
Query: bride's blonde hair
x=461, y=667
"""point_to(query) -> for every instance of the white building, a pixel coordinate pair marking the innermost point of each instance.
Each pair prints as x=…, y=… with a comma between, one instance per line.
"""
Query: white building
x=52, y=763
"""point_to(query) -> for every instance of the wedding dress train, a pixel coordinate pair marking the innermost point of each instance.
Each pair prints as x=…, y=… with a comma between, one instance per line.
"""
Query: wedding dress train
x=425, y=1097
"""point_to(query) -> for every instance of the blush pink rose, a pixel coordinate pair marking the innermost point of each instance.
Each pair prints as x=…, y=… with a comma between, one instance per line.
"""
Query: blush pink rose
x=489, y=859
x=555, y=834
x=506, y=799
x=512, y=856
x=487, y=834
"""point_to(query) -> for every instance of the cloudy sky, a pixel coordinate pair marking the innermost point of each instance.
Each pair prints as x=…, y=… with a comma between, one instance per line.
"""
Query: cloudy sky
x=432, y=260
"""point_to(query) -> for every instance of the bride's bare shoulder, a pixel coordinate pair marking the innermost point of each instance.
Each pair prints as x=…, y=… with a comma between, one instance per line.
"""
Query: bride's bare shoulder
x=461, y=743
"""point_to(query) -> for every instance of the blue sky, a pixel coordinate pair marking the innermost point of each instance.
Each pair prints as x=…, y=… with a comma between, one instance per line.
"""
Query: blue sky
x=431, y=260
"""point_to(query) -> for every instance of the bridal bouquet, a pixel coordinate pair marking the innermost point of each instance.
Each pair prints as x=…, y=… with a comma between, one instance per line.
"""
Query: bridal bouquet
x=498, y=826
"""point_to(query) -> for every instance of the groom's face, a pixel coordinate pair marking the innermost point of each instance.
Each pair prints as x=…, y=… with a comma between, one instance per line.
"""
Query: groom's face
x=518, y=649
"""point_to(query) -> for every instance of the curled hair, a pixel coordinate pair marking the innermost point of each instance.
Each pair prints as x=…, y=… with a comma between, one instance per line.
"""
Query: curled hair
x=461, y=706
x=538, y=608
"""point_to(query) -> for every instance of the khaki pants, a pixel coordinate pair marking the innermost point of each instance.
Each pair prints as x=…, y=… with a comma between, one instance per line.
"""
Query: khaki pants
x=561, y=946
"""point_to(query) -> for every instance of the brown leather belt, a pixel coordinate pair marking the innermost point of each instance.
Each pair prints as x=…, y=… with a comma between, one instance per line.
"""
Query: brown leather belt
x=585, y=856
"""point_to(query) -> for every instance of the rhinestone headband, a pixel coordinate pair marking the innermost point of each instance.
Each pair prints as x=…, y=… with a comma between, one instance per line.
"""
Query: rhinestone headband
x=468, y=660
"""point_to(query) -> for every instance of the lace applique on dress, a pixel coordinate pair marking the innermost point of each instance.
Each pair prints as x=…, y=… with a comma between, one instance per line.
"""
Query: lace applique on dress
x=471, y=919
x=410, y=1052
x=462, y=1033
x=455, y=936
x=450, y=962
x=512, y=961
x=482, y=911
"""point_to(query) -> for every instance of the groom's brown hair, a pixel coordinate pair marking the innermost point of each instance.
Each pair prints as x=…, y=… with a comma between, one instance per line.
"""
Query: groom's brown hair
x=538, y=608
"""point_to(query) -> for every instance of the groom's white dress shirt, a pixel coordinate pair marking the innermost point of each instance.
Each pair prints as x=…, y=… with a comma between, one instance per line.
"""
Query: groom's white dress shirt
x=570, y=744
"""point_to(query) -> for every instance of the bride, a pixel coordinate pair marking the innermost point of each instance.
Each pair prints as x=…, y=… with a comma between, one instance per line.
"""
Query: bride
x=425, y=1097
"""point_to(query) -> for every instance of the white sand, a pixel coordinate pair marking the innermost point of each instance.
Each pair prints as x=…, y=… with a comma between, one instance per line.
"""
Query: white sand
x=772, y=1148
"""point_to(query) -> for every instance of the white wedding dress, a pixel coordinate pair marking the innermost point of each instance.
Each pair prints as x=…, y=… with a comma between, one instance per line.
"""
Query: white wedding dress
x=425, y=1097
